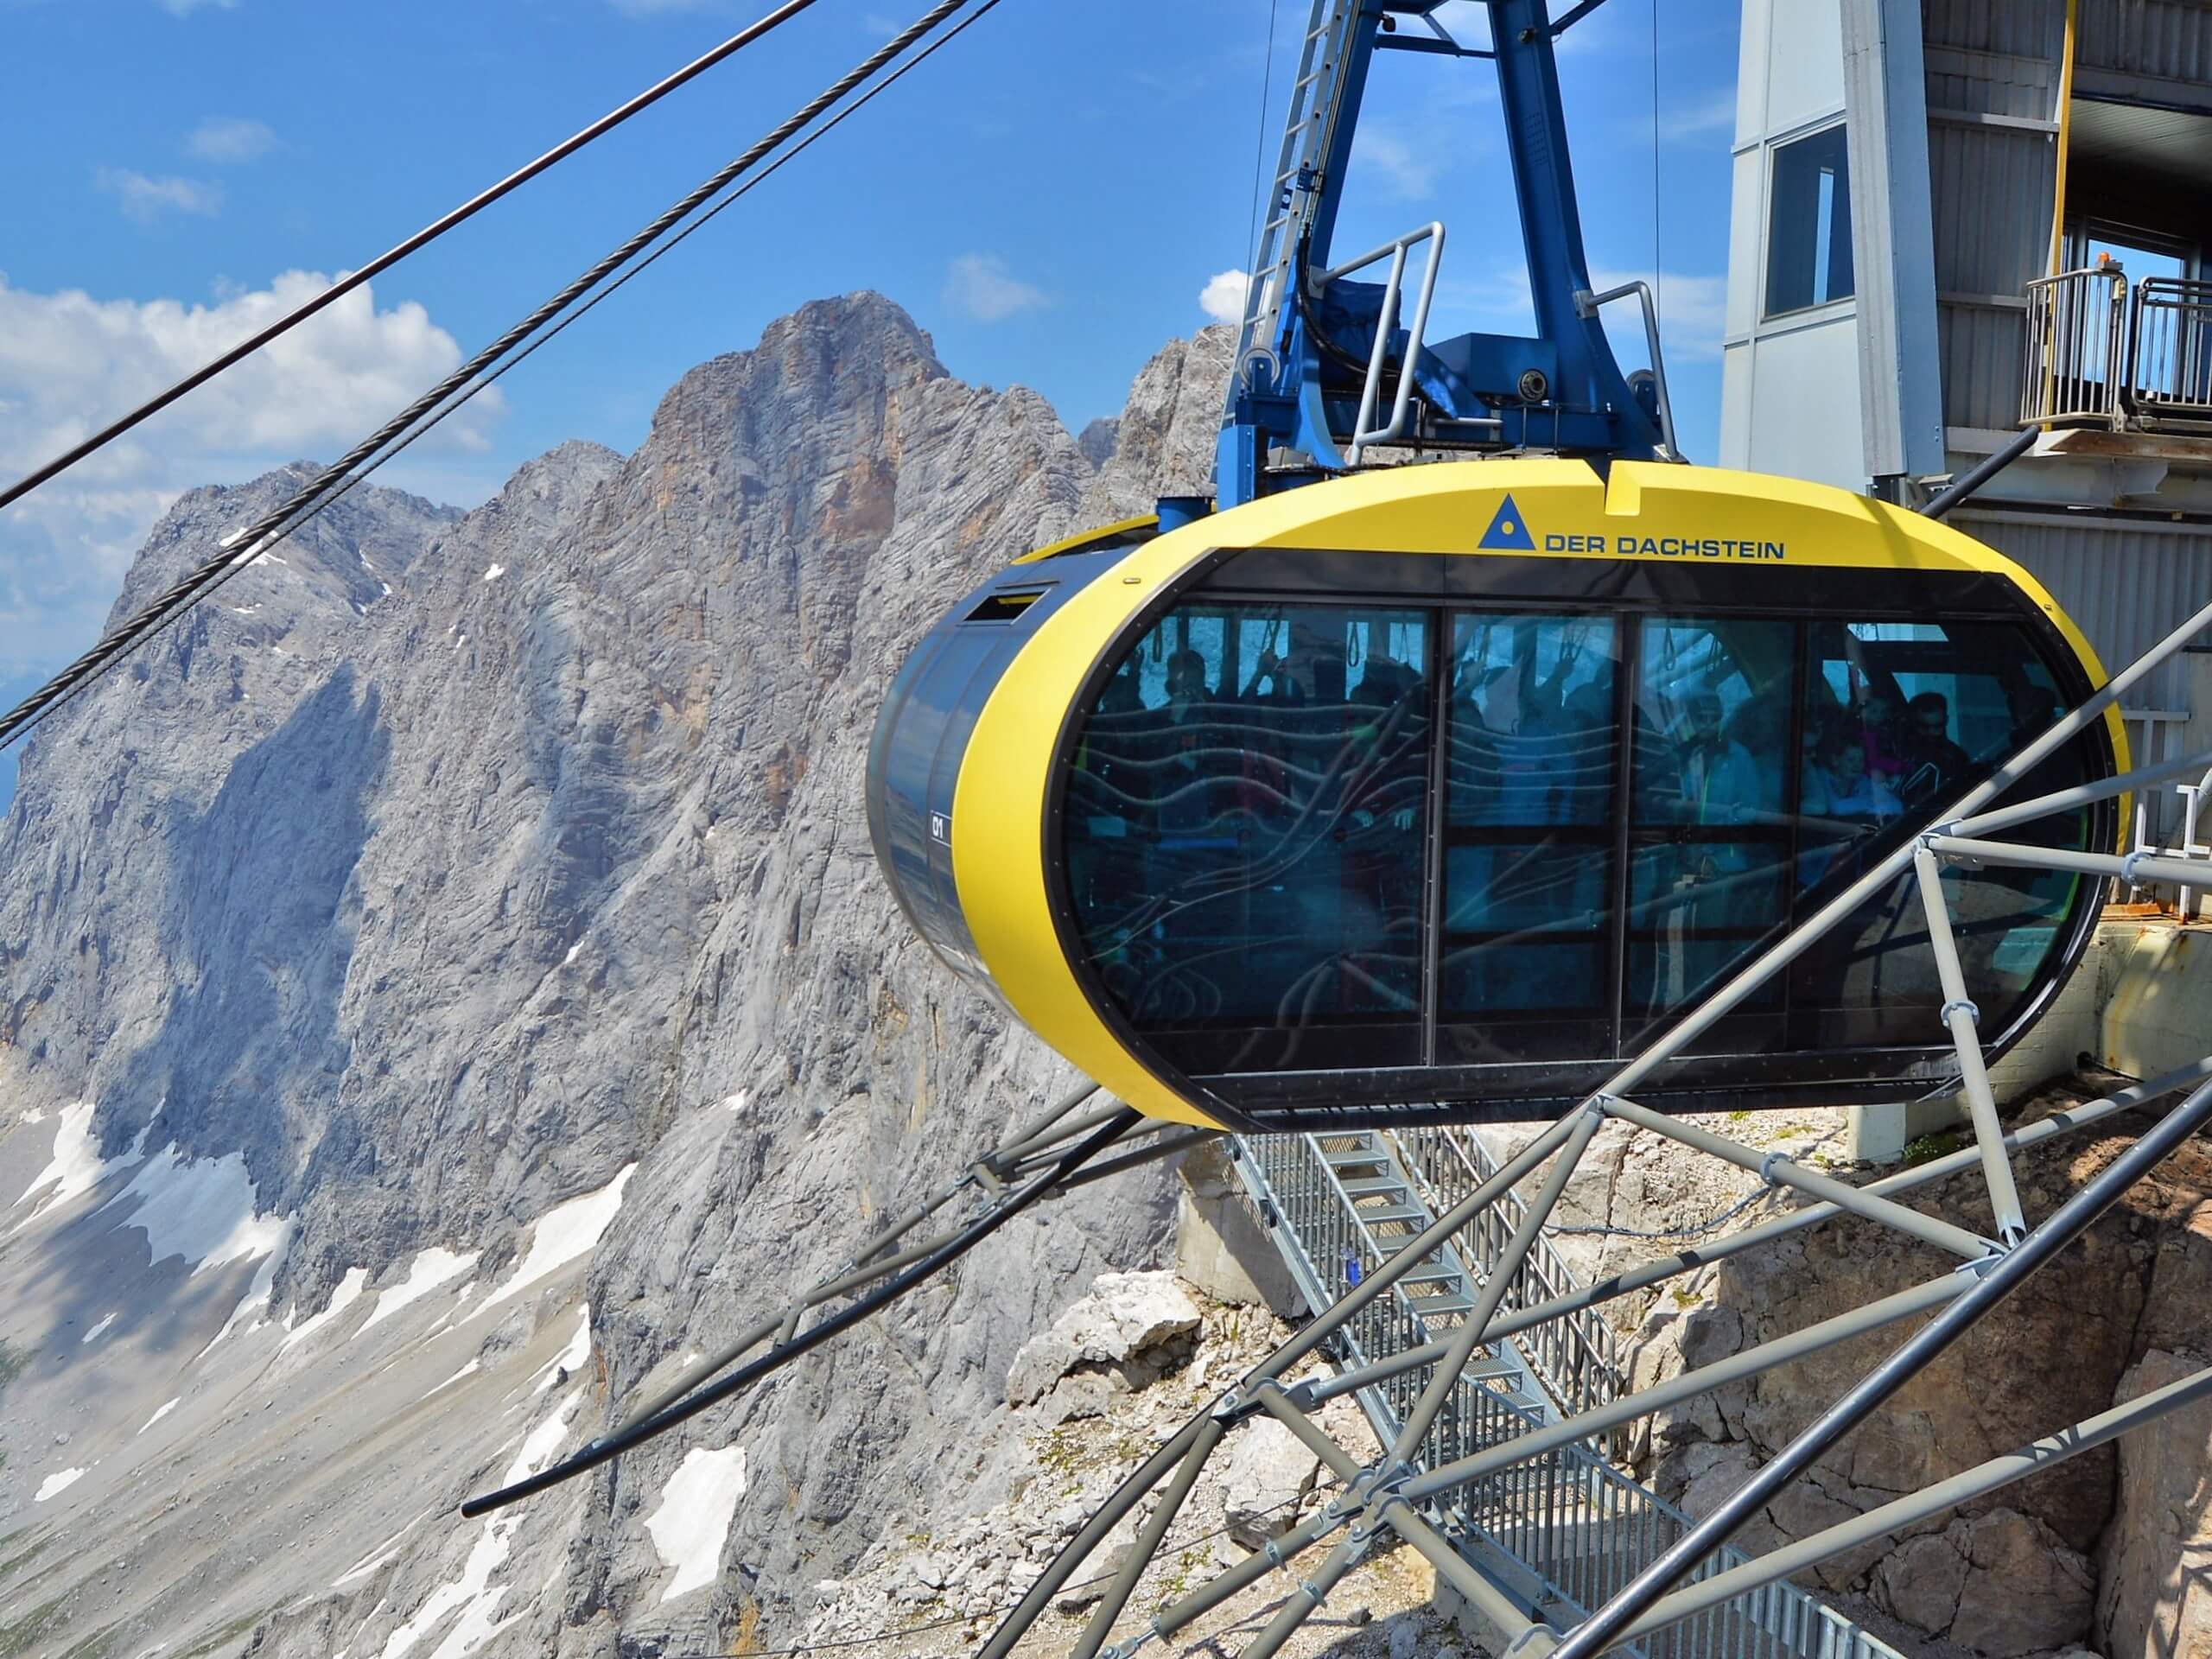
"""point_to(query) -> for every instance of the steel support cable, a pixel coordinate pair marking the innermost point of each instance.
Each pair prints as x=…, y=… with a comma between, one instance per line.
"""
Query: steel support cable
x=340, y=475
x=982, y=1227
x=577, y=315
x=391, y=256
x=2000, y=1278
x=873, y=1266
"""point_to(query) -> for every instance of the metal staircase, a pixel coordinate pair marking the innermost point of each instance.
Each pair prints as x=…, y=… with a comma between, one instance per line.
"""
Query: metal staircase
x=1560, y=1532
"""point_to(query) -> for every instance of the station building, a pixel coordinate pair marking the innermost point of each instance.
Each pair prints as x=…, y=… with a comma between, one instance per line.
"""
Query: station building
x=1955, y=219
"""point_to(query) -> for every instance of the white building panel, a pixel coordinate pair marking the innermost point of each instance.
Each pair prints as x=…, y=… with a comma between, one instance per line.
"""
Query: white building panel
x=1804, y=385
x=1804, y=67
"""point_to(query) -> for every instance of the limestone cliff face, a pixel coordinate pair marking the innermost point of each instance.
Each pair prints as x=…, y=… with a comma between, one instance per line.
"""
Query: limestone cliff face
x=449, y=868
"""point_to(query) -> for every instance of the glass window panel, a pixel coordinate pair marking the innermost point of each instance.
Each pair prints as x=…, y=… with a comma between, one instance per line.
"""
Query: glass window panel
x=1808, y=224
x=1529, y=810
x=1711, y=833
x=1900, y=718
x=1244, y=835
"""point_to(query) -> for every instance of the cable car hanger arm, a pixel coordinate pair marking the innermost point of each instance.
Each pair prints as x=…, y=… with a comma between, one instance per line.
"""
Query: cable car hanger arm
x=1317, y=353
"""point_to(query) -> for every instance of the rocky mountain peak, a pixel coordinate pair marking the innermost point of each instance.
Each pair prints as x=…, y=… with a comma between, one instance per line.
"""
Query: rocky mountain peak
x=476, y=900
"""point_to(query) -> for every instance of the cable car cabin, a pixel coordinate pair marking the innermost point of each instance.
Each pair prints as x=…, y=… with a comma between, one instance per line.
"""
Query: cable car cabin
x=1436, y=792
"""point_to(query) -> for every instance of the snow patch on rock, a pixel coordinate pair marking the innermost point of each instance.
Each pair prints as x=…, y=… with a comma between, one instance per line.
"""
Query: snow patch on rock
x=55, y=1485
x=571, y=1359
x=348, y=1292
x=75, y=1168
x=468, y=1369
x=430, y=1269
x=200, y=1209
x=692, y=1523
x=563, y=1233
x=256, y=1299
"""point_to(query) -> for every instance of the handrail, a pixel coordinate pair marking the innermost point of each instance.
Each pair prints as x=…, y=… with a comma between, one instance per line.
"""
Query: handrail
x=1577, y=1358
x=1363, y=431
x=2076, y=352
x=2168, y=378
x=1588, y=304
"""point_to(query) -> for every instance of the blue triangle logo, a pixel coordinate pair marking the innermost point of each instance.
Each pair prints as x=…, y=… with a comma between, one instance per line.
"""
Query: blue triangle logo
x=1508, y=531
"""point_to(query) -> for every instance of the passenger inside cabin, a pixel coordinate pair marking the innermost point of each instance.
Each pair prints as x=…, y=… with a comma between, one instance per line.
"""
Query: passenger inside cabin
x=1879, y=735
x=1838, y=786
x=2034, y=709
x=1186, y=681
x=1720, y=784
x=1936, y=767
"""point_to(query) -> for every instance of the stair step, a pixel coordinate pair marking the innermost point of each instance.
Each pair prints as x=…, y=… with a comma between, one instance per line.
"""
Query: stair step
x=1343, y=1161
x=1446, y=1305
x=1373, y=1186
x=1437, y=1275
x=1376, y=1215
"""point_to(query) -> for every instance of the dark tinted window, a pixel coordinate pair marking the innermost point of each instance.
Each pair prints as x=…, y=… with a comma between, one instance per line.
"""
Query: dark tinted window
x=1808, y=224
x=1900, y=717
x=1245, y=829
x=1710, y=834
x=1305, y=837
x=1530, y=799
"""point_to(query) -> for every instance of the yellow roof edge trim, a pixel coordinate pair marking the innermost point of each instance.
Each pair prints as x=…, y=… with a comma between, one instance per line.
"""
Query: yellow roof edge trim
x=1068, y=543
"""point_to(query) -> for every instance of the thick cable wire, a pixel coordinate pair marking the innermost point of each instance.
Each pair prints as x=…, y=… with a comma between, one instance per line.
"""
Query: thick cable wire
x=392, y=256
x=602, y=1450
x=474, y=387
x=336, y=478
x=1658, y=246
x=1260, y=140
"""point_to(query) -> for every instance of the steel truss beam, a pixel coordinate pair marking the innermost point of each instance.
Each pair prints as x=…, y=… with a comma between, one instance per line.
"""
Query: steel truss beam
x=1398, y=1497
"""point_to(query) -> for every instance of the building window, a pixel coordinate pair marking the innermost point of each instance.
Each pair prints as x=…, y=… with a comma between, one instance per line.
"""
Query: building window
x=1808, y=224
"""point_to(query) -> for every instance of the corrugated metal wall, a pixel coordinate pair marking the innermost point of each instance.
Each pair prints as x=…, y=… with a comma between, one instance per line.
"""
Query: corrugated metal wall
x=1992, y=75
x=2169, y=39
x=2128, y=583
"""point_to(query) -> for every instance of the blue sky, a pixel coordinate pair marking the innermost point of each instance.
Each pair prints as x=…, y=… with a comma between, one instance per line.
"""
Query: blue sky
x=1049, y=197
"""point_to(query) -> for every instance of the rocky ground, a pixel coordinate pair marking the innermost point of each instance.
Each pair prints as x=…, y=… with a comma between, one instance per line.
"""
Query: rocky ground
x=1120, y=1372
x=2066, y=1559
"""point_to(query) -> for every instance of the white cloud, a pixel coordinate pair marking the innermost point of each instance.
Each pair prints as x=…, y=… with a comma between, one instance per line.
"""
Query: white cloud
x=69, y=363
x=979, y=286
x=1222, y=297
x=1699, y=117
x=230, y=138
x=146, y=199
x=1405, y=172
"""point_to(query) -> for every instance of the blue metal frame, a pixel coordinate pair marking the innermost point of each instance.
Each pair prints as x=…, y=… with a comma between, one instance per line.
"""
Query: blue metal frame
x=1558, y=389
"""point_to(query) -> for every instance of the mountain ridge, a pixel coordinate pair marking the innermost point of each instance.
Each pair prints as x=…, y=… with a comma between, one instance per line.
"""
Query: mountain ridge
x=449, y=870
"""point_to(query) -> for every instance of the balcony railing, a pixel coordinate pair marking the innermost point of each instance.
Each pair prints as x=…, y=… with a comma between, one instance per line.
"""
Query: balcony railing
x=2102, y=353
x=2169, y=354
